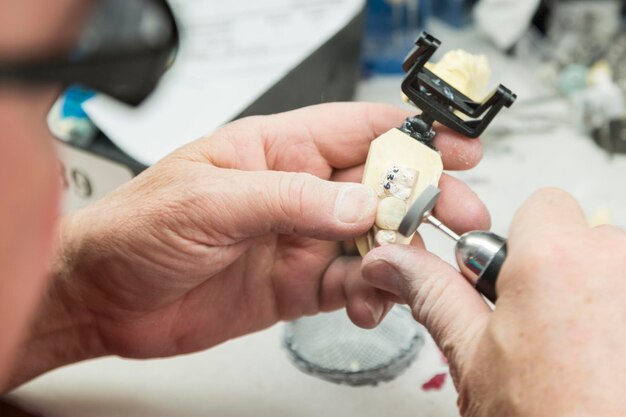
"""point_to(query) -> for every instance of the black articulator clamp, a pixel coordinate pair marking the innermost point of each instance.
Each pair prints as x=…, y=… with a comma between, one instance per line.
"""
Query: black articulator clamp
x=439, y=101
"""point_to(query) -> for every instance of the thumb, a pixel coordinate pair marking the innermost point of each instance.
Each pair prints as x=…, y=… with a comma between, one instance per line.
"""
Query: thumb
x=265, y=202
x=440, y=298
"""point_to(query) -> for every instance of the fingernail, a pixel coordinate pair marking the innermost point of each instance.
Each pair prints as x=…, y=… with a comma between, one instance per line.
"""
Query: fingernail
x=384, y=275
x=355, y=203
x=376, y=309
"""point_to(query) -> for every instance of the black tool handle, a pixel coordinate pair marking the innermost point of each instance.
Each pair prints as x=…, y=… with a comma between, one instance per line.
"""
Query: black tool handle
x=480, y=255
x=486, y=283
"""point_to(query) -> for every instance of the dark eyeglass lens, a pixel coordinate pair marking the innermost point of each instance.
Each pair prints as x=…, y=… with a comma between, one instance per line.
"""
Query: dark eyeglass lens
x=119, y=26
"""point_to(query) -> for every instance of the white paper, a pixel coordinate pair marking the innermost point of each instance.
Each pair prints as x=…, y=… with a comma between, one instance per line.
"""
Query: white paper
x=505, y=21
x=231, y=53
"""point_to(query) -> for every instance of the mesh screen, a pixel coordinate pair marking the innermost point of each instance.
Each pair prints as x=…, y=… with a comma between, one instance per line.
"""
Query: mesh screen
x=331, y=347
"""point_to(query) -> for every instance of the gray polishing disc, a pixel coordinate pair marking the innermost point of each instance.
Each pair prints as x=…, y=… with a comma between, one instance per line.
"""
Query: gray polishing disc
x=414, y=217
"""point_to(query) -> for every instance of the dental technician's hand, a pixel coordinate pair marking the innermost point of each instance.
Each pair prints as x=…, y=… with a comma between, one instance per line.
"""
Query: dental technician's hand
x=229, y=235
x=555, y=344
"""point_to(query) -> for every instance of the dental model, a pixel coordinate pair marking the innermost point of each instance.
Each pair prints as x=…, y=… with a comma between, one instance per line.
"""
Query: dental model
x=403, y=162
x=398, y=168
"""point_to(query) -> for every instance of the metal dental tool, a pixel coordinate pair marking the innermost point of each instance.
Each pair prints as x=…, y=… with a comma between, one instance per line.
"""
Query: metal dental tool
x=479, y=254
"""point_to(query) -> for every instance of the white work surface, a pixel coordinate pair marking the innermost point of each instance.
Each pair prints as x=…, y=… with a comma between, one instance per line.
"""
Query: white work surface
x=251, y=376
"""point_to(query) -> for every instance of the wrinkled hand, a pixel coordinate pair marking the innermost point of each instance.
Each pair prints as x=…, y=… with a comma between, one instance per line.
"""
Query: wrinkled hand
x=555, y=344
x=241, y=229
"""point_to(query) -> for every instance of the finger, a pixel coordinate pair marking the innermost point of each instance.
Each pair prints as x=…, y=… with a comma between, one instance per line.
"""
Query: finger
x=459, y=207
x=449, y=307
x=610, y=230
x=352, y=174
x=457, y=152
x=349, y=248
x=343, y=285
x=366, y=306
x=253, y=204
x=341, y=133
x=549, y=211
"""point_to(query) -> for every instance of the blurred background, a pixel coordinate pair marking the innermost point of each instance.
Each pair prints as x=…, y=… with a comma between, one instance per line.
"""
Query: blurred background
x=565, y=59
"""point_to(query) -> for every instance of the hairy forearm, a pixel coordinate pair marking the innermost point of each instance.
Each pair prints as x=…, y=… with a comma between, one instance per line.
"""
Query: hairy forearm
x=63, y=331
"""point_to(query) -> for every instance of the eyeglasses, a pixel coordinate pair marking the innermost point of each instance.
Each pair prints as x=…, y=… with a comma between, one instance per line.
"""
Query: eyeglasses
x=123, y=49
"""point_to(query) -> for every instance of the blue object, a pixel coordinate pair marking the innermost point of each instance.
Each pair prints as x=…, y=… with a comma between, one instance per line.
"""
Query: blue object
x=73, y=100
x=572, y=79
x=67, y=118
x=391, y=27
x=456, y=13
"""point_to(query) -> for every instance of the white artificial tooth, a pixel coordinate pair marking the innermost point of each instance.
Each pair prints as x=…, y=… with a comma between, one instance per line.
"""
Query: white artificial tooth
x=385, y=237
x=401, y=192
x=390, y=213
x=398, y=182
x=391, y=189
x=406, y=177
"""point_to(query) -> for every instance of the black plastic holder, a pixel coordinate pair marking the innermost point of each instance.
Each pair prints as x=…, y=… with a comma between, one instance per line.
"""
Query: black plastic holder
x=439, y=101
